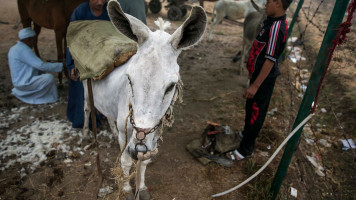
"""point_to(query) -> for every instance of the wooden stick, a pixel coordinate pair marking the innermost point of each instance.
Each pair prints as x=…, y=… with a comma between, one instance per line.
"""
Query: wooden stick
x=93, y=121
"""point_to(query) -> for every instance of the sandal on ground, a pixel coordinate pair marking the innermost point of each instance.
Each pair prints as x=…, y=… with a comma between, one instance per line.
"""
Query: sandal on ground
x=235, y=155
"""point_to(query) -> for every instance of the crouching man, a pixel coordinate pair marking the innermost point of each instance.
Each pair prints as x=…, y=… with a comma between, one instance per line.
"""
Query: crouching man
x=31, y=84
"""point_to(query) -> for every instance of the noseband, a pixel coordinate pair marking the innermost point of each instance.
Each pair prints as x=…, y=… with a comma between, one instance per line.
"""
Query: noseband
x=142, y=132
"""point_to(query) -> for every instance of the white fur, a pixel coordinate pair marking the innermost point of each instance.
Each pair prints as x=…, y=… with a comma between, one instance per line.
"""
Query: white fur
x=251, y=26
x=163, y=25
x=233, y=10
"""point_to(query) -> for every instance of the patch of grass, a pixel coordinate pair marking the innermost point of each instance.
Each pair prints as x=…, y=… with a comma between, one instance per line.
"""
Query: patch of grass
x=259, y=189
x=353, y=100
x=251, y=167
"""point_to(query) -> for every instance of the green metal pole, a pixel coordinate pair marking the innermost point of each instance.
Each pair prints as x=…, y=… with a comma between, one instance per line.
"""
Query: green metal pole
x=291, y=25
x=295, y=16
x=320, y=64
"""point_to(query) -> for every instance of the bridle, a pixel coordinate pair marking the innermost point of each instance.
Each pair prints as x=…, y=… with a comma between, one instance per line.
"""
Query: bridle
x=166, y=120
x=141, y=132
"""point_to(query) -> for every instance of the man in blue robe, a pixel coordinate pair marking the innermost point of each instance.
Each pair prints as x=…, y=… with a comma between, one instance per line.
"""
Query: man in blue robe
x=31, y=84
x=92, y=10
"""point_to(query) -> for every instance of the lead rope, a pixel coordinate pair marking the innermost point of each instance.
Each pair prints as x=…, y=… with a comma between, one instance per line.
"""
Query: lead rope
x=138, y=175
x=142, y=157
x=117, y=171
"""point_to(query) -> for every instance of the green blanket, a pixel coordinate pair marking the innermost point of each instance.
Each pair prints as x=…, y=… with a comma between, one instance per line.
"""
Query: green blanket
x=97, y=47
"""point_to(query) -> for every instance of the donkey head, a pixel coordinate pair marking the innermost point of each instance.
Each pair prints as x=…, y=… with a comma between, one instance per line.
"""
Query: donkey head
x=260, y=9
x=153, y=72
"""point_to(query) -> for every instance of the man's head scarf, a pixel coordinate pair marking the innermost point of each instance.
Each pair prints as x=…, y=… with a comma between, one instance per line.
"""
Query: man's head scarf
x=26, y=33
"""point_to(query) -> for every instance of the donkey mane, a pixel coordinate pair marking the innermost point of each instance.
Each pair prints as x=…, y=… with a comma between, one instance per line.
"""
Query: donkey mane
x=162, y=25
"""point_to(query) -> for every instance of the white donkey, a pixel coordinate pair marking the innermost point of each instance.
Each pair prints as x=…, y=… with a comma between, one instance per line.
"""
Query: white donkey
x=231, y=9
x=148, y=83
x=252, y=25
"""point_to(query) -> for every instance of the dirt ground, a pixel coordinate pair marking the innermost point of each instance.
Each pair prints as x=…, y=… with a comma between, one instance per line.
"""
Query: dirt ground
x=212, y=92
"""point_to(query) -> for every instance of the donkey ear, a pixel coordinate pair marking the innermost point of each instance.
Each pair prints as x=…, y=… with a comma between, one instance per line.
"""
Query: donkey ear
x=257, y=7
x=127, y=24
x=191, y=31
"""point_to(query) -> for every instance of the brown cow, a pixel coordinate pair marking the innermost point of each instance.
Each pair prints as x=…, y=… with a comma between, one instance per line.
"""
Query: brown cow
x=51, y=14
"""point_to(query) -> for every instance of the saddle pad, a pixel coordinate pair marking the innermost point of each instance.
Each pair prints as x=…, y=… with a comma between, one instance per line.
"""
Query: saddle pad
x=97, y=47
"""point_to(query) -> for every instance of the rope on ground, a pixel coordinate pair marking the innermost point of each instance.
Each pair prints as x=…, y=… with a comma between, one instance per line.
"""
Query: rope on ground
x=269, y=160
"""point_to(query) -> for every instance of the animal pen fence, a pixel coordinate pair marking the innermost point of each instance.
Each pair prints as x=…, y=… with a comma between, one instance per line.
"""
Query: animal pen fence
x=334, y=35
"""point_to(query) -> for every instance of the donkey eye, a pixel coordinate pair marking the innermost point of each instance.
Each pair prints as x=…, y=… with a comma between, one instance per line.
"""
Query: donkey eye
x=169, y=88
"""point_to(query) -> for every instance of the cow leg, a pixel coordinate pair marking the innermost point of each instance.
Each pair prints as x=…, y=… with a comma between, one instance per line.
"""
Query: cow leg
x=86, y=119
x=37, y=30
x=217, y=20
x=60, y=56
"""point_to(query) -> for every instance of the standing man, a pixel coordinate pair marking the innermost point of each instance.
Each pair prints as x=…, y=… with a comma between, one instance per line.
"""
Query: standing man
x=134, y=8
x=92, y=10
x=262, y=66
x=31, y=84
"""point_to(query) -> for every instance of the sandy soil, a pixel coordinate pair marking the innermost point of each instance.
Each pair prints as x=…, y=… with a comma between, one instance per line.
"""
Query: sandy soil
x=212, y=92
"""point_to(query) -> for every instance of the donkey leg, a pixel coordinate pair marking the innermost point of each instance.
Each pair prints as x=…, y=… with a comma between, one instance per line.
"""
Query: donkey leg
x=113, y=128
x=242, y=56
x=217, y=20
x=126, y=164
x=144, y=194
x=86, y=119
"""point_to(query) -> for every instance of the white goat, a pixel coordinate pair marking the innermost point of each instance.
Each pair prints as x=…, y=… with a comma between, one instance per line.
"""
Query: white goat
x=232, y=10
x=148, y=82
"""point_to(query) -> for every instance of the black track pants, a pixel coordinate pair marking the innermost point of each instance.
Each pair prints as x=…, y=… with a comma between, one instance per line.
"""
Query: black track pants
x=256, y=110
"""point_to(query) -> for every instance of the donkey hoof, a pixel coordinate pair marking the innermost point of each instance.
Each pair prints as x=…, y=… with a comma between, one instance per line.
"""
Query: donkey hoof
x=144, y=195
x=129, y=196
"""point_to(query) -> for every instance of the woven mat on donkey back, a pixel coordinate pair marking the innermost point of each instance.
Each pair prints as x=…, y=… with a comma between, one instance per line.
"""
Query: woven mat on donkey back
x=97, y=47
